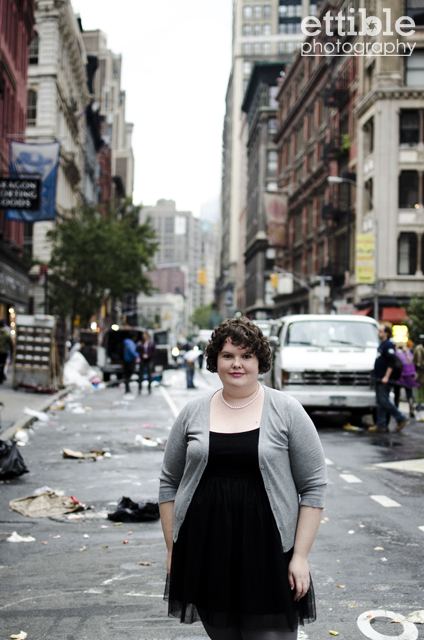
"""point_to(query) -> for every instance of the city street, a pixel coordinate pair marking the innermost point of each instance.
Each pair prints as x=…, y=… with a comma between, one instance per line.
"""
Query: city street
x=82, y=579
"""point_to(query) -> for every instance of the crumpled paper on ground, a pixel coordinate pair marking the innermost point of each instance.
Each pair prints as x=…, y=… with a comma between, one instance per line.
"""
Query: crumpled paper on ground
x=48, y=503
x=15, y=537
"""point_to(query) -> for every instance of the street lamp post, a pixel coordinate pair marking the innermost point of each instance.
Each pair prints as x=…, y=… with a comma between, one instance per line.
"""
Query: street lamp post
x=339, y=180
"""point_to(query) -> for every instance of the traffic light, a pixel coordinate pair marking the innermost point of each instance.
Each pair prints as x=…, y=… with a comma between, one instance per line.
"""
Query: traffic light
x=274, y=280
x=201, y=276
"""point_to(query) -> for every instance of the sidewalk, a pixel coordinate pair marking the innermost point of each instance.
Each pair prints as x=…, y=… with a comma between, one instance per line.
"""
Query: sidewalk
x=12, y=416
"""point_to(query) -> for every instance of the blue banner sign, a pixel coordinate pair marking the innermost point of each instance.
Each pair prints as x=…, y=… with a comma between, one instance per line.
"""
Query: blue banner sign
x=40, y=160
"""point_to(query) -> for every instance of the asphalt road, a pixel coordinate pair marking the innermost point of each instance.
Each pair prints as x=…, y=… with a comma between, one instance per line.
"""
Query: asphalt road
x=87, y=584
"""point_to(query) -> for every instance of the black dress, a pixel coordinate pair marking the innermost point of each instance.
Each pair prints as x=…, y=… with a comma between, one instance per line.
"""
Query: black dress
x=228, y=566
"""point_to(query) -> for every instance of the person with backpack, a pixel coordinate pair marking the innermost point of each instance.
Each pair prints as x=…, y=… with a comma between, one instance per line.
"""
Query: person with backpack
x=387, y=370
x=130, y=356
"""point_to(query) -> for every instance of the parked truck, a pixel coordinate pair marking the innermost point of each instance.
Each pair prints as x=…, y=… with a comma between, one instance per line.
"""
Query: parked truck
x=325, y=361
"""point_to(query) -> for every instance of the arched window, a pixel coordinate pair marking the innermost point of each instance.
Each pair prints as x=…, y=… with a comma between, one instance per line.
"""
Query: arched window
x=33, y=49
x=32, y=108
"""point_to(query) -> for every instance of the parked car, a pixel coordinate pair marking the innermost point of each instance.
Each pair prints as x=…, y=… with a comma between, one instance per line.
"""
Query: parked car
x=325, y=361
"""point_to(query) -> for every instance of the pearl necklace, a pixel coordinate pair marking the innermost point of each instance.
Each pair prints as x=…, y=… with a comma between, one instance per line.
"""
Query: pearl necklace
x=243, y=405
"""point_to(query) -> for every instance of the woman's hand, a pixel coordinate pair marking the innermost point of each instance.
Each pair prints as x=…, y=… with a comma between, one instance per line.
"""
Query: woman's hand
x=168, y=563
x=299, y=576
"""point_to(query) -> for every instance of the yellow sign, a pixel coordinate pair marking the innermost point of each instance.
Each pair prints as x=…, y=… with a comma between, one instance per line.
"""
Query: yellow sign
x=365, y=248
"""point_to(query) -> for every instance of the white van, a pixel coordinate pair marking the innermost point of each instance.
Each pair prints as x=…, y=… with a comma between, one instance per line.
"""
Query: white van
x=326, y=361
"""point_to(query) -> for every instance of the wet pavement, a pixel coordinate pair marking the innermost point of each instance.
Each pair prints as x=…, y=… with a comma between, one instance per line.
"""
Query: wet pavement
x=88, y=583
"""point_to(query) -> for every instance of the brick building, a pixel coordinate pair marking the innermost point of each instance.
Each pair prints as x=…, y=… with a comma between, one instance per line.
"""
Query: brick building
x=16, y=28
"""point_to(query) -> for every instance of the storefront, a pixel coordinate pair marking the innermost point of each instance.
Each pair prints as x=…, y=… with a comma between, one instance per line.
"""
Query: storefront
x=14, y=288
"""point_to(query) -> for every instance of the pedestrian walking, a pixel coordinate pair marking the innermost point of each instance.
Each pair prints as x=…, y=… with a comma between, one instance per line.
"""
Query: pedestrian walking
x=419, y=375
x=130, y=356
x=146, y=349
x=6, y=347
x=241, y=497
x=407, y=379
x=190, y=364
x=201, y=357
x=383, y=368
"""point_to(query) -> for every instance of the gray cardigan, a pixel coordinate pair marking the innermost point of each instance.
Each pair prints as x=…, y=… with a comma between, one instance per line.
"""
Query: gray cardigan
x=291, y=460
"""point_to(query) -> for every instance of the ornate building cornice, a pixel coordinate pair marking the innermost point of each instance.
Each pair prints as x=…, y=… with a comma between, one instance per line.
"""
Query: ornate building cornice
x=396, y=93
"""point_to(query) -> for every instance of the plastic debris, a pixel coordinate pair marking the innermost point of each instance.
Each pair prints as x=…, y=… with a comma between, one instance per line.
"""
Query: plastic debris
x=378, y=548
x=351, y=427
x=59, y=405
x=70, y=453
x=20, y=636
x=78, y=410
x=125, y=541
x=77, y=371
x=147, y=442
x=15, y=537
x=129, y=511
x=383, y=559
x=86, y=535
x=351, y=531
x=83, y=548
x=12, y=463
x=334, y=633
x=146, y=564
x=40, y=415
x=76, y=516
x=416, y=616
x=21, y=437
x=340, y=586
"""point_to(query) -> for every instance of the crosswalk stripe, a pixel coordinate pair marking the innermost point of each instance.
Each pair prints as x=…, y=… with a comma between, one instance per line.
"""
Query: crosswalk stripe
x=421, y=528
x=349, y=477
x=328, y=462
x=385, y=501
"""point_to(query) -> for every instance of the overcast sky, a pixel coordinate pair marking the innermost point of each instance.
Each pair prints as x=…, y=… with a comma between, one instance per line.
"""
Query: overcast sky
x=176, y=62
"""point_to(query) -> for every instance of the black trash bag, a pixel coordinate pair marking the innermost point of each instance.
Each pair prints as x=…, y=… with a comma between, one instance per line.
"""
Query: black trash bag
x=129, y=511
x=12, y=463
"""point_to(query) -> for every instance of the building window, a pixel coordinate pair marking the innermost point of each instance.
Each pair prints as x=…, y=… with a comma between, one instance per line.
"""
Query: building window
x=313, y=10
x=257, y=11
x=272, y=186
x=369, y=137
x=256, y=29
x=272, y=126
x=272, y=100
x=407, y=254
x=272, y=162
x=408, y=189
x=247, y=12
x=409, y=127
x=257, y=48
x=33, y=49
x=169, y=225
x=414, y=69
x=415, y=10
x=247, y=30
x=245, y=83
x=281, y=47
x=32, y=108
x=247, y=48
x=247, y=67
x=266, y=48
x=267, y=11
x=266, y=29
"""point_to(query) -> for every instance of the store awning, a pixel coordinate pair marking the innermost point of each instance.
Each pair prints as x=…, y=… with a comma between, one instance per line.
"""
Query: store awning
x=396, y=315
x=363, y=312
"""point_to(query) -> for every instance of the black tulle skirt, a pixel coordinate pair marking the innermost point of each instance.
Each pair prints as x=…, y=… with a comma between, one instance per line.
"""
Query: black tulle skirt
x=228, y=566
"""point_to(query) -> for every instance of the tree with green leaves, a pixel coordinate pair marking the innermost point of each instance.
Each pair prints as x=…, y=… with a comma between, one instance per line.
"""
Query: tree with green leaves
x=94, y=257
x=415, y=312
x=202, y=316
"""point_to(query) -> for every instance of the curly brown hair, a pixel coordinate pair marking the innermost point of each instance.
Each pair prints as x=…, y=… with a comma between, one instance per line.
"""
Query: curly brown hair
x=242, y=333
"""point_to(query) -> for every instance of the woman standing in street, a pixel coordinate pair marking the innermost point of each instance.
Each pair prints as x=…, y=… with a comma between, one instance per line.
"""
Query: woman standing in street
x=407, y=379
x=241, y=498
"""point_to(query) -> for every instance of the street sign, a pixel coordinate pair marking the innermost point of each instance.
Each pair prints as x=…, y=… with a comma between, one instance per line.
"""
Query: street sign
x=22, y=194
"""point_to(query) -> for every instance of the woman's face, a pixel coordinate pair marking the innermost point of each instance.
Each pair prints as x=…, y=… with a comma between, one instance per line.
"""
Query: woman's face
x=236, y=366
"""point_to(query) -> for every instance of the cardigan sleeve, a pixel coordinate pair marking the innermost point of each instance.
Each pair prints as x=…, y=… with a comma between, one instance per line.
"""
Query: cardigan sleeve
x=174, y=460
x=306, y=457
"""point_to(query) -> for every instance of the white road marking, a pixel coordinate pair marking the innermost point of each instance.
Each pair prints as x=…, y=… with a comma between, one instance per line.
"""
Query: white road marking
x=385, y=501
x=329, y=462
x=364, y=621
x=404, y=465
x=169, y=400
x=421, y=528
x=349, y=477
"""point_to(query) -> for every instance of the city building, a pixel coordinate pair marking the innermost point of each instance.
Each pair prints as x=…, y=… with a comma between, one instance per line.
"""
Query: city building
x=179, y=236
x=390, y=117
x=57, y=99
x=166, y=311
x=16, y=28
x=110, y=99
x=262, y=30
x=260, y=107
x=93, y=140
